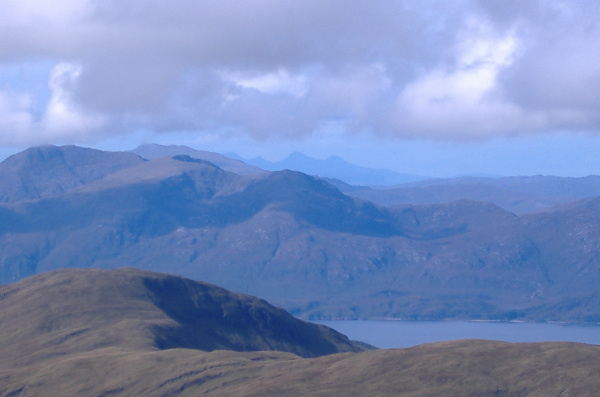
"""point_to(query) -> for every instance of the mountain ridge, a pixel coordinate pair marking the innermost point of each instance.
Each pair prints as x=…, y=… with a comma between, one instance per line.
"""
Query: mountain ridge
x=521, y=195
x=153, y=151
x=335, y=167
x=48, y=171
x=301, y=243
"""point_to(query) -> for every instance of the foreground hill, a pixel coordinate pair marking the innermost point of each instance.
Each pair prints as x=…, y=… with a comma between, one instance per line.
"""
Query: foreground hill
x=56, y=314
x=130, y=332
x=302, y=244
x=460, y=368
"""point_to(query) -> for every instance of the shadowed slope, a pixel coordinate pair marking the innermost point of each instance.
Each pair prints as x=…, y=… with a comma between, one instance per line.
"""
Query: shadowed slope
x=73, y=311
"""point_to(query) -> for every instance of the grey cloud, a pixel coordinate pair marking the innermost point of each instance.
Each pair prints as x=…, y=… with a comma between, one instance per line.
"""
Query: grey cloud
x=557, y=74
x=393, y=67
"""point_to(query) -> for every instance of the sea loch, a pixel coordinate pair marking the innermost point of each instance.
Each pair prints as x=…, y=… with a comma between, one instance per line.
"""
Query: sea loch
x=399, y=334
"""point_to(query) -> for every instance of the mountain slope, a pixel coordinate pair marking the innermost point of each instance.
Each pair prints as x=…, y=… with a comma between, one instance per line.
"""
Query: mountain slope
x=48, y=171
x=70, y=311
x=129, y=332
x=152, y=151
x=302, y=244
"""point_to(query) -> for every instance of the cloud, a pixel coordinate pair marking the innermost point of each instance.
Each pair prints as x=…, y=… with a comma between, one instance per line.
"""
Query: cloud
x=460, y=99
x=15, y=114
x=61, y=119
x=63, y=116
x=440, y=70
x=280, y=81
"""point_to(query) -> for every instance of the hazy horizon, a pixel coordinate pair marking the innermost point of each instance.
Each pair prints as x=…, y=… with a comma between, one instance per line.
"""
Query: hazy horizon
x=427, y=88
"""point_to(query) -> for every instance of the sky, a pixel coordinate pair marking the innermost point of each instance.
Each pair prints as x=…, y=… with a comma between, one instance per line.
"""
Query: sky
x=432, y=87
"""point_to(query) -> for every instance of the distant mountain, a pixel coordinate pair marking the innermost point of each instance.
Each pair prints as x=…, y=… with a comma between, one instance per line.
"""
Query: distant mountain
x=301, y=243
x=520, y=195
x=335, y=167
x=539, y=185
x=81, y=332
x=47, y=171
x=152, y=151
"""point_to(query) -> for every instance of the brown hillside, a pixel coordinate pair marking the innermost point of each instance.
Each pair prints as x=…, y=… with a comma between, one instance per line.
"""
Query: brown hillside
x=129, y=332
x=56, y=314
x=460, y=368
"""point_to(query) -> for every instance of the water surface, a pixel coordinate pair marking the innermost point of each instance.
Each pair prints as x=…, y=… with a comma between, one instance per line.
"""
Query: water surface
x=394, y=334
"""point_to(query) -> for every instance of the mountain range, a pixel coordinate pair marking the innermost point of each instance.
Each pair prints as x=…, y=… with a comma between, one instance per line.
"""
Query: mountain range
x=125, y=332
x=517, y=194
x=334, y=167
x=297, y=240
x=520, y=195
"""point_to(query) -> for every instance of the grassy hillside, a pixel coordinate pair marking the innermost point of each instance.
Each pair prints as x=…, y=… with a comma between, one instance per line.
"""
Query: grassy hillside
x=57, y=314
x=461, y=368
x=129, y=332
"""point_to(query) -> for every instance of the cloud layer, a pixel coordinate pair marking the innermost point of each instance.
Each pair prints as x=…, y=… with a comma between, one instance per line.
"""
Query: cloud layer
x=459, y=70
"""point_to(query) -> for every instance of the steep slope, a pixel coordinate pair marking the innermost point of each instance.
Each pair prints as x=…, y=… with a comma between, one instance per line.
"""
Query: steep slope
x=71, y=311
x=48, y=171
x=569, y=243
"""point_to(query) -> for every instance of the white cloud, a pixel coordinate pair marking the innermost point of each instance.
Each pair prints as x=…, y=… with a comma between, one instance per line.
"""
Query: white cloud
x=61, y=119
x=446, y=70
x=280, y=81
x=46, y=14
x=350, y=91
x=461, y=99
